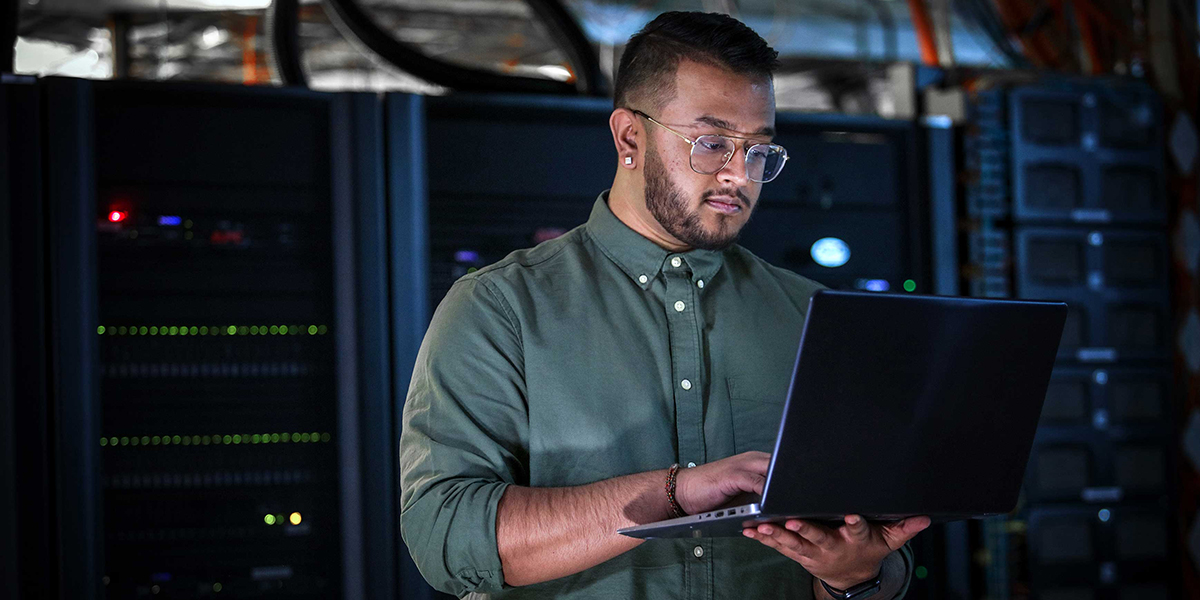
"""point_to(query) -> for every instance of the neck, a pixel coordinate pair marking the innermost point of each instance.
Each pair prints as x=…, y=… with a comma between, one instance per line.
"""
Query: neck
x=627, y=200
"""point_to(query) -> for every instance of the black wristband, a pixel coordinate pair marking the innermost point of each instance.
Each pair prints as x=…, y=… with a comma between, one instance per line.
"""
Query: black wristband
x=865, y=589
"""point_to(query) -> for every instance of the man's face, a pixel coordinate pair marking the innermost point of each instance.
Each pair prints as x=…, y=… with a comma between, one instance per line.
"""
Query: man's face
x=706, y=211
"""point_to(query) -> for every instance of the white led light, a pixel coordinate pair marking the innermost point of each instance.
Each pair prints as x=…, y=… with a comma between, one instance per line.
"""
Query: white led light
x=830, y=252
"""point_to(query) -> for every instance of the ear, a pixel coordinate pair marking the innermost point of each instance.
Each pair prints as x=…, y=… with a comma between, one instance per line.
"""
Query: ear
x=626, y=129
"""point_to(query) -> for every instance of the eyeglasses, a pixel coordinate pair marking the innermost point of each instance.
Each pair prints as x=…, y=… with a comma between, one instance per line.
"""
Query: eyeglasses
x=711, y=153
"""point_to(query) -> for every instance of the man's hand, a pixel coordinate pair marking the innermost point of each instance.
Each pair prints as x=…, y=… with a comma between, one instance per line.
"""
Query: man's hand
x=707, y=487
x=842, y=557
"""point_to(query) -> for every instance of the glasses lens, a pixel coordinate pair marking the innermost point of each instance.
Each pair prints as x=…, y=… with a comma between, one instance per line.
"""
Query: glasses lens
x=764, y=162
x=710, y=154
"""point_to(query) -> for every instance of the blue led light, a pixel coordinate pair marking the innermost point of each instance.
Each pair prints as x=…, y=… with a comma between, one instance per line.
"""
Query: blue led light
x=830, y=252
x=877, y=285
x=466, y=256
x=170, y=220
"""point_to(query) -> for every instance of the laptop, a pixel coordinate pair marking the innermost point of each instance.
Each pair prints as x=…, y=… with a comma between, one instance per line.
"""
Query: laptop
x=901, y=405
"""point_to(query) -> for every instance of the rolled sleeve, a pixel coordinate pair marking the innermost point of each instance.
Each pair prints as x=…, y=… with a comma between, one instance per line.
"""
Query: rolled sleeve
x=464, y=438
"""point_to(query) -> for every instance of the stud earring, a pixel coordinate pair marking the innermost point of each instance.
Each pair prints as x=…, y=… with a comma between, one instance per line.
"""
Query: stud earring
x=629, y=160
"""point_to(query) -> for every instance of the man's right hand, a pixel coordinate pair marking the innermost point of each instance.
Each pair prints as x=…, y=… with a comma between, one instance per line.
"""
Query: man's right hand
x=707, y=487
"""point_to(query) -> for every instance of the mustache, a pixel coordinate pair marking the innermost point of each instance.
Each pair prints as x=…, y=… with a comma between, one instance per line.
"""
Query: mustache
x=734, y=192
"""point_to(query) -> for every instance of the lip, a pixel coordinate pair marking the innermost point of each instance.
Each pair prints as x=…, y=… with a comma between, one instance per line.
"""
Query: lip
x=725, y=204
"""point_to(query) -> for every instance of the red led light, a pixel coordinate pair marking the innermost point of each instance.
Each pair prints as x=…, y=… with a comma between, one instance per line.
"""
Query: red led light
x=117, y=216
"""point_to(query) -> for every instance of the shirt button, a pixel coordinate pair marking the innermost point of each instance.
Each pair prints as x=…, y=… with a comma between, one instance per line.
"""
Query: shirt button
x=676, y=261
x=679, y=306
x=700, y=284
x=698, y=551
x=685, y=384
x=691, y=465
x=643, y=279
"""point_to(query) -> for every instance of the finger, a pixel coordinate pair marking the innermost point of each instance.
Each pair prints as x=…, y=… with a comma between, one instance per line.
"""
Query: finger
x=856, y=528
x=813, y=533
x=784, y=542
x=898, y=533
x=752, y=482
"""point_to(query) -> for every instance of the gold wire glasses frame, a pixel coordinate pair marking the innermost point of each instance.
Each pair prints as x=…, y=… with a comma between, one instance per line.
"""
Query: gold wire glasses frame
x=764, y=162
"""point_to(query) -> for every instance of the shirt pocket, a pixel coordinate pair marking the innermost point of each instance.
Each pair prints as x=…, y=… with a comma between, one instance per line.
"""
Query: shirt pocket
x=756, y=407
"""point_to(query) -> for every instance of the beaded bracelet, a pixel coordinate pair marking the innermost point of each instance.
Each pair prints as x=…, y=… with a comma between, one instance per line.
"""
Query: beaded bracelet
x=676, y=509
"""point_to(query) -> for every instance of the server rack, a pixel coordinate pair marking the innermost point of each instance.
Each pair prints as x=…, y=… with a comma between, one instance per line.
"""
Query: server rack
x=1069, y=204
x=218, y=265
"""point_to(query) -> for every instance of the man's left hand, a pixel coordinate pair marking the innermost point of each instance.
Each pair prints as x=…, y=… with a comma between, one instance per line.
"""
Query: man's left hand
x=841, y=557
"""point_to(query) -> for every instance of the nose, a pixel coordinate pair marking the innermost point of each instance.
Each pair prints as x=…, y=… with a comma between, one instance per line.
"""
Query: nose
x=734, y=172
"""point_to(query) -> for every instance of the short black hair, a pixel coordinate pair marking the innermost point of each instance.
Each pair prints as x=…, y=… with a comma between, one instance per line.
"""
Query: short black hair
x=648, y=65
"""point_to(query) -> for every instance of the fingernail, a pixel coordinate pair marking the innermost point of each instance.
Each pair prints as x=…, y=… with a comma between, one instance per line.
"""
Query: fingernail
x=766, y=530
x=793, y=525
x=748, y=533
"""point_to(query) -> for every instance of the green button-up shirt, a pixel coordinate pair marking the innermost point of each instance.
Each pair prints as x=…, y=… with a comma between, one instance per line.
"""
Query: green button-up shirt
x=594, y=355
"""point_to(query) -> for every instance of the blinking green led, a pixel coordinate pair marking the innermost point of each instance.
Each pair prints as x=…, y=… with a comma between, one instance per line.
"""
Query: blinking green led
x=910, y=285
x=153, y=331
x=269, y=519
x=204, y=331
x=122, y=330
x=156, y=440
x=216, y=587
x=283, y=329
x=100, y=330
x=124, y=441
x=145, y=440
x=237, y=439
x=312, y=330
x=274, y=330
x=274, y=438
x=174, y=330
x=206, y=440
x=322, y=329
x=921, y=572
x=142, y=330
x=254, y=330
x=243, y=330
x=304, y=437
x=193, y=330
x=232, y=330
x=292, y=329
x=103, y=441
x=176, y=439
x=227, y=439
x=324, y=437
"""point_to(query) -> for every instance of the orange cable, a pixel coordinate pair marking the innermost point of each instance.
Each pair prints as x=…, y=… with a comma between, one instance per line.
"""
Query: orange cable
x=924, y=29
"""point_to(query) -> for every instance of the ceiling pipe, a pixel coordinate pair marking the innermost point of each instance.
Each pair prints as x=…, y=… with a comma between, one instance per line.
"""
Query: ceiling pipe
x=358, y=26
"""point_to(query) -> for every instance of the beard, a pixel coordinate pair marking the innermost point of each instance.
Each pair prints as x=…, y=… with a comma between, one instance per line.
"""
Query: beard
x=667, y=204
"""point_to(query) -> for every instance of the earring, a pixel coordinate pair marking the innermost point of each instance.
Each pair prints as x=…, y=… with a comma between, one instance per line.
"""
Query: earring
x=629, y=160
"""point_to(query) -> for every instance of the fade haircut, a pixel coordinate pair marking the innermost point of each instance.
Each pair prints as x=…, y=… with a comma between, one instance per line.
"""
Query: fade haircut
x=646, y=75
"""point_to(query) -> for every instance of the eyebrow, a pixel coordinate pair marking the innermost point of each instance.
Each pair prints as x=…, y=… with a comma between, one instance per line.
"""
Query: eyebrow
x=723, y=124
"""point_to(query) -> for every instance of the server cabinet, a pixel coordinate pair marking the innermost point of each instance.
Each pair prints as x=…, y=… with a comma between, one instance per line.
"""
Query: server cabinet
x=221, y=390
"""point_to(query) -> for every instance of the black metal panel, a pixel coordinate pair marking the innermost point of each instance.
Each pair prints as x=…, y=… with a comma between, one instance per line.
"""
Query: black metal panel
x=34, y=505
x=9, y=564
x=1087, y=154
x=73, y=317
x=506, y=172
x=1115, y=283
x=1108, y=551
x=859, y=180
x=409, y=251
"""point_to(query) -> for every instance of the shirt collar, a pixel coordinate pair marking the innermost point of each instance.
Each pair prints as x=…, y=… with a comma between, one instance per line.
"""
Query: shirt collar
x=641, y=259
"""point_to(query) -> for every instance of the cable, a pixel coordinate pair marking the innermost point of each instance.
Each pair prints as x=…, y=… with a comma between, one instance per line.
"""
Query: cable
x=924, y=29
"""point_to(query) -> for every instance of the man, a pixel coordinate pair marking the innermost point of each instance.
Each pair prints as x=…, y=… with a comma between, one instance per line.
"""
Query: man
x=632, y=369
